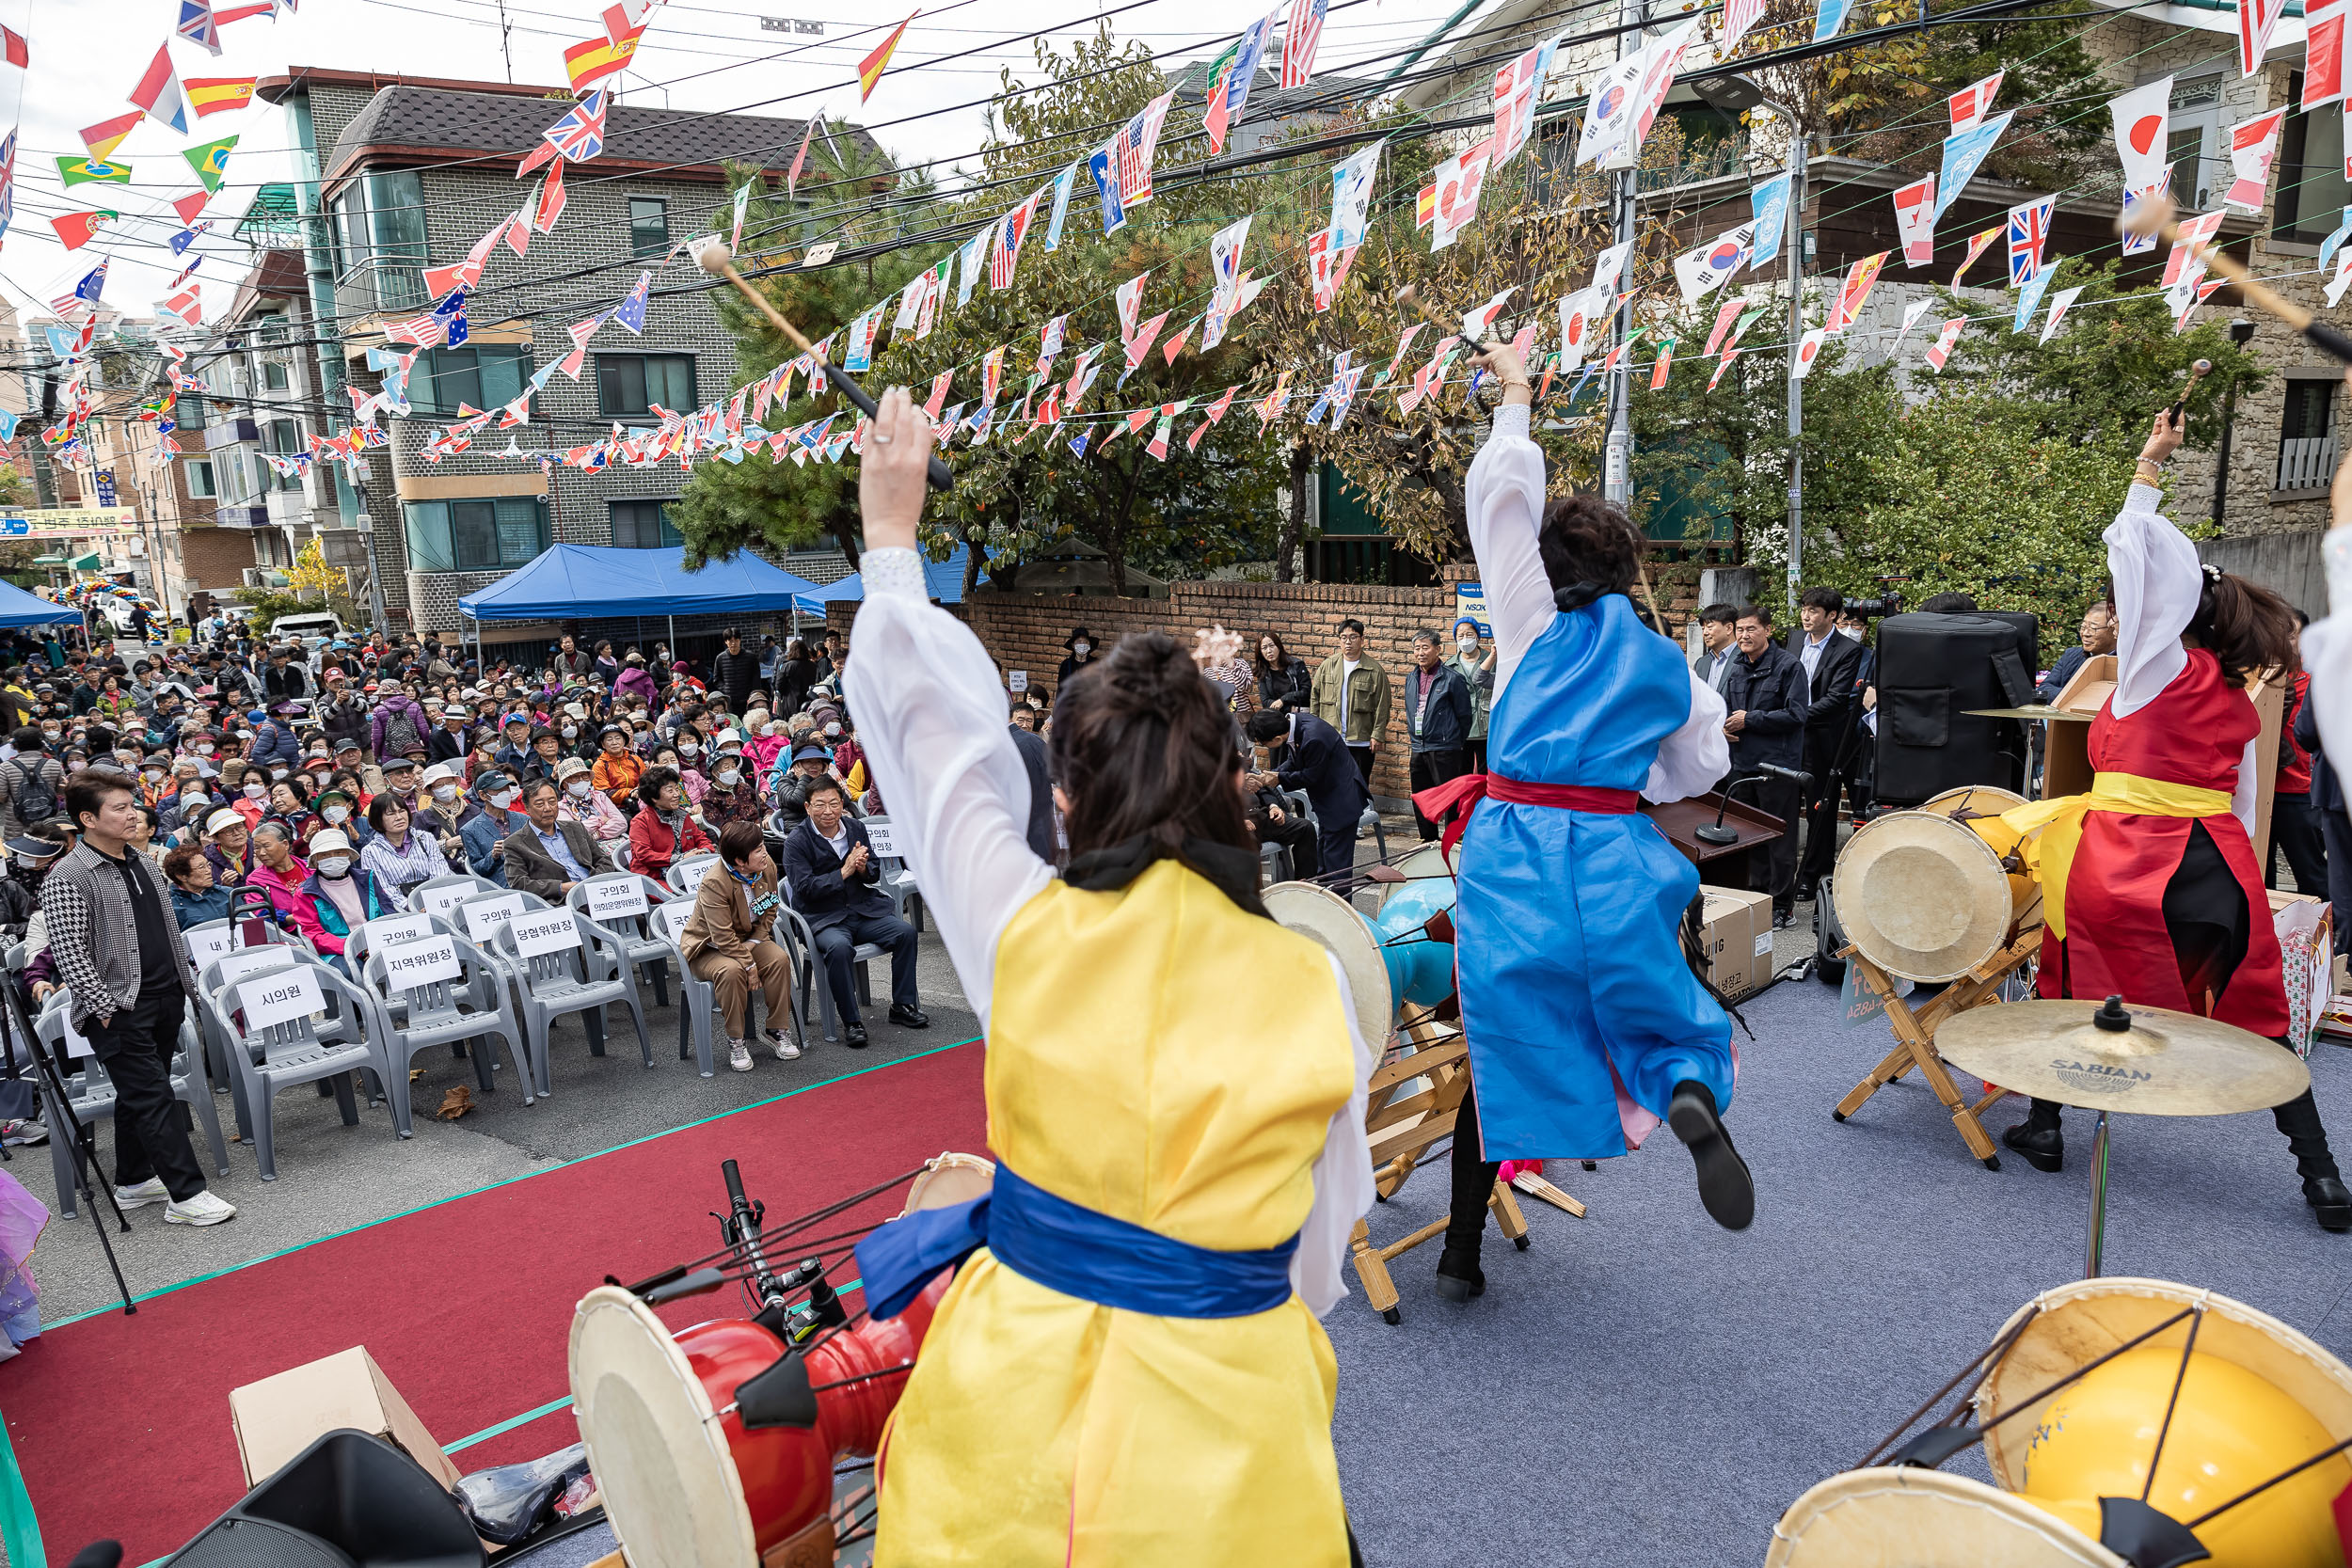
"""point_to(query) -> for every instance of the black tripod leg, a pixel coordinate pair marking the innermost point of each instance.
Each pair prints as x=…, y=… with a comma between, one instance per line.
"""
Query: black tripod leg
x=84, y=1138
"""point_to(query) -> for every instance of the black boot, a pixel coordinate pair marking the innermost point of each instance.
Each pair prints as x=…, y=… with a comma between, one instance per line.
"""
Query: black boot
x=2323, y=1188
x=1459, y=1277
x=2038, y=1137
x=1725, y=1187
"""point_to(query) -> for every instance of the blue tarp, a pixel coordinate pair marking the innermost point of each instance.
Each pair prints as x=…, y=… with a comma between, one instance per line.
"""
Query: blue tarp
x=19, y=609
x=944, y=579
x=596, y=581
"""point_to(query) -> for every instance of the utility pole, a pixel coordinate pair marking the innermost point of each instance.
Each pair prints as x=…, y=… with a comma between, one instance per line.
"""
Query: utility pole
x=1800, y=145
x=1617, y=459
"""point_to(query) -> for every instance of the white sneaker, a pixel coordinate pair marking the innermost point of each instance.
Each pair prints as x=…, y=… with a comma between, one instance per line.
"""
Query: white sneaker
x=203, y=1209
x=738, y=1056
x=150, y=1190
x=785, y=1049
x=27, y=1132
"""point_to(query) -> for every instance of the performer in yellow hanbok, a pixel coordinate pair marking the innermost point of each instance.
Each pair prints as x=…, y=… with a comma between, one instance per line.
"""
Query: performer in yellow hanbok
x=1129, y=1371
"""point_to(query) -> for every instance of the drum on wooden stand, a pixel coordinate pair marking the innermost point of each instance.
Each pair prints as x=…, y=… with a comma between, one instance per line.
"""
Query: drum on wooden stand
x=687, y=1483
x=1926, y=896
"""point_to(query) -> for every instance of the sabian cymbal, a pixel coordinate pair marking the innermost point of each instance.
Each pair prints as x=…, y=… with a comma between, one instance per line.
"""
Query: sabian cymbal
x=2162, y=1064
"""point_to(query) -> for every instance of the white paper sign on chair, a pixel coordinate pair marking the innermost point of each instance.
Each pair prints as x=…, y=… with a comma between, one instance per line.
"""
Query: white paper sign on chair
x=877, y=835
x=249, y=960
x=204, y=946
x=612, y=897
x=390, y=930
x=547, y=931
x=280, y=998
x=422, y=963
x=482, y=920
x=440, y=900
x=77, y=1043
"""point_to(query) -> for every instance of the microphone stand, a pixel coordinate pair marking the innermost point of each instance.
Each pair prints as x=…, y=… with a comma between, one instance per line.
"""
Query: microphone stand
x=1715, y=832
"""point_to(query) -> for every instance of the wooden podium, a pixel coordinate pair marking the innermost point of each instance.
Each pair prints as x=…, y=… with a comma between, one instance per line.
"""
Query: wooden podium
x=1680, y=820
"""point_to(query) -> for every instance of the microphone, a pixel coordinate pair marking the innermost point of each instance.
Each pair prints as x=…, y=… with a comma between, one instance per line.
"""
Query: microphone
x=1715, y=832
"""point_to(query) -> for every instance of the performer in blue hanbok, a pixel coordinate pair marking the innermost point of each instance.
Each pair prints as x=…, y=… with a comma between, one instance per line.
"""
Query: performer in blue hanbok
x=1587, y=1025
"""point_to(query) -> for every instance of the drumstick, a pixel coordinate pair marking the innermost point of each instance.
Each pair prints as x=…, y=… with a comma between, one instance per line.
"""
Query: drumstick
x=2195, y=371
x=712, y=256
x=1409, y=296
x=2154, y=216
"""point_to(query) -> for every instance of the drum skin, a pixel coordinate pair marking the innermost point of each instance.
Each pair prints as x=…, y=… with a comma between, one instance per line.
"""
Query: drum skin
x=1911, y=1518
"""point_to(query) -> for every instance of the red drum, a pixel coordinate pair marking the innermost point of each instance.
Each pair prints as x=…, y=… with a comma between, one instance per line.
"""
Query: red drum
x=685, y=1483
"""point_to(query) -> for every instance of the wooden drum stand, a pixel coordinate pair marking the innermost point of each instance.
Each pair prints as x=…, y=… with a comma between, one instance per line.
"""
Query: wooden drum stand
x=1401, y=1131
x=1914, y=1039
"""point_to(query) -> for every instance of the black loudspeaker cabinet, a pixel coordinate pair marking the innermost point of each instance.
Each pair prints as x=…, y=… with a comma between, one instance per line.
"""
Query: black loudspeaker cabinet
x=349, y=1500
x=1931, y=671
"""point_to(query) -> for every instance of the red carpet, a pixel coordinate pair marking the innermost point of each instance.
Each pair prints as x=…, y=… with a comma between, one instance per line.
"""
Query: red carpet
x=121, y=1424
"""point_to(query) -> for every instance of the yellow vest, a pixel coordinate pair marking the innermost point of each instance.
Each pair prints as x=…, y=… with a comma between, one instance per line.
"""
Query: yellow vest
x=2049, y=854
x=1159, y=1055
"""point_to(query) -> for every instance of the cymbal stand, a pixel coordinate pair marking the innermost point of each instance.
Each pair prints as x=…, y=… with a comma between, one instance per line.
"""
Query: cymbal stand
x=2098, y=1196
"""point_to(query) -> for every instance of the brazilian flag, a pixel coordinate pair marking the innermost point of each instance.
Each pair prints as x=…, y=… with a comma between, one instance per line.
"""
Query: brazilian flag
x=83, y=171
x=210, y=161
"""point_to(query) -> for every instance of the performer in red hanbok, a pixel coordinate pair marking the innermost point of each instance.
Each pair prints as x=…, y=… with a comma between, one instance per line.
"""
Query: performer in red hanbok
x=2149, y=882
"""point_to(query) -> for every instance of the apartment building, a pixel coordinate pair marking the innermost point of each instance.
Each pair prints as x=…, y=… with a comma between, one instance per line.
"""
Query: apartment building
x=404, y=172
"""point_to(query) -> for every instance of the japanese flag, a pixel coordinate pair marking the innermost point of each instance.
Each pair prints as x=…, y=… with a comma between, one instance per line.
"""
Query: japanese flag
x=2142, y=126
x=1583, y=317
x=1808, y=350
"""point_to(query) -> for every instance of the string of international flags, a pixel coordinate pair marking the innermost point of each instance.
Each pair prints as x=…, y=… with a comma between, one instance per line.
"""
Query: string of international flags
x=1622, y=106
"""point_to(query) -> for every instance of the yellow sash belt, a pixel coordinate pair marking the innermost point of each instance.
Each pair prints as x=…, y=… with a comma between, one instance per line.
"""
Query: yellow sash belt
x=2049, y=852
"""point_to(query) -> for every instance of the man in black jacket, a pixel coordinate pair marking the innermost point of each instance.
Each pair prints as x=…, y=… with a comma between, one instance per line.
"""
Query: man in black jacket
x=1829, y=662
x=1765, y=692
x=1044, y=841
x=828, y=865
x=736, y=673
x=284, y=679
x=1316, y=759
x=1437, y=718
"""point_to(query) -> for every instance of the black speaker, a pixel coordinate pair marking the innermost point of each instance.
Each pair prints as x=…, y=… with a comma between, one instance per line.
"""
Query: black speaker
x=1933, y=670
x=349, y=1500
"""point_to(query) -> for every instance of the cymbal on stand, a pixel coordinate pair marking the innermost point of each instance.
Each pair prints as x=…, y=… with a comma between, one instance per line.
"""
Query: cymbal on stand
x=2148, y=1061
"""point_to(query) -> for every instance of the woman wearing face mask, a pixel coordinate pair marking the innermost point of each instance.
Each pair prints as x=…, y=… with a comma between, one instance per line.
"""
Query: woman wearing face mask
x=338, y=807
x=686, y=756
x=399, y=855
x=617, y=770
x=584, y=804
x=290, y=807
x=244, y=791
x=661, y=831
x=1477, y=671
x=281, y=871
x=338, y=896
x=734, y=794
x=767, y=742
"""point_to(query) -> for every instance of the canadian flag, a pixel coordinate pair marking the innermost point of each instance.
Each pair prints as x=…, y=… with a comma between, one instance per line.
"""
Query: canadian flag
x=2323, y=53
x=1972, y=104
x=2253, y=143
x=2196, y=233
x=1942, y=350
x=2255, y=19
x=1914, y=221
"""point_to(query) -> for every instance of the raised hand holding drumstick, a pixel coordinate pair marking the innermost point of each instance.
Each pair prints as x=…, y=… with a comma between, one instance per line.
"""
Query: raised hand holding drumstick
x=894, y=475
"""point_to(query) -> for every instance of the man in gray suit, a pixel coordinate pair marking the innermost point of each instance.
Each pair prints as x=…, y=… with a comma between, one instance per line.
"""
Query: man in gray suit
x=551, y=854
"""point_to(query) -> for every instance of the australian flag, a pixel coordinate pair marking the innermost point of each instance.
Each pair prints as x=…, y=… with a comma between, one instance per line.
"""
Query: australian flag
x=451, y=313
x=186, y=237
x=631, y=312
x=579, y=134
x=1103, y=167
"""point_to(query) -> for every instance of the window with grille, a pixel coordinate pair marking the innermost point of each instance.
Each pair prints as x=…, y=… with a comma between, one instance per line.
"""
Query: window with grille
x=2307, y=435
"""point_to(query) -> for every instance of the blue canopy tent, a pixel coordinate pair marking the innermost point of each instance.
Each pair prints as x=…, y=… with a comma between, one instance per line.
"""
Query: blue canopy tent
x=942, y=579
x=19, y=609
x=592, y=581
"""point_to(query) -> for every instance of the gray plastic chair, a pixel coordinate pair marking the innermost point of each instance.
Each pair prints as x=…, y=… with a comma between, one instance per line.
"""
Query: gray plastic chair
x=389, y=928
x=92, y=1095
x=698, y=999
x=418, y=1015
x=647, y=953
x=1379, y=834
x=450, y=886
x=340, y=1026
x=584, y=978
x=813, y=966
x=274, y=1057
x=685, y=876
x=897, y=881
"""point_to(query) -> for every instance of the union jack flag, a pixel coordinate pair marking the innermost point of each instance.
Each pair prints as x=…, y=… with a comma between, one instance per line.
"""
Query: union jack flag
x=1010, y=230
x=2028, y=234
x=579, y=134
x=1299, y=44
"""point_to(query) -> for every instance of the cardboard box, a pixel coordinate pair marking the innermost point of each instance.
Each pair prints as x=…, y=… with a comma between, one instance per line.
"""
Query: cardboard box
x=1736, y=934
x=278, y=1416
x=2088, y=687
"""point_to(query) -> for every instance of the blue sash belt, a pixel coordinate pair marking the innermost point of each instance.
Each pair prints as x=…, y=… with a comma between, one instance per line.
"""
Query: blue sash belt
x=1065, y=1247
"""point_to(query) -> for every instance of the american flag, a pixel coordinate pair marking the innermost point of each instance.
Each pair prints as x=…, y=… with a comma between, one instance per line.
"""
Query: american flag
x=1133, y=149
x=1010, y=230
x=1299, y=44
x=2028, y=234
x=424, y=331
x=579, y=134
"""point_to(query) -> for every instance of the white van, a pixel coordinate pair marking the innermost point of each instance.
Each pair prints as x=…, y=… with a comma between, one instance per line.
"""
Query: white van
x=321, y=622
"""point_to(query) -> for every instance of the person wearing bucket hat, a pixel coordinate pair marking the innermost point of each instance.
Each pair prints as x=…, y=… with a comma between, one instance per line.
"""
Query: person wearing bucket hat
x=338, y=896
x=1082, y=647
x=228, y=845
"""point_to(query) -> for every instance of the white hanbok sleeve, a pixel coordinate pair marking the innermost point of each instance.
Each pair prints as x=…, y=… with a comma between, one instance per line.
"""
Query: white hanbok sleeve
x=1344, y=1184
x=1695, y=755
x=2158, y=582
x=932, y=719
x=2328, y=655
x=1503, y=497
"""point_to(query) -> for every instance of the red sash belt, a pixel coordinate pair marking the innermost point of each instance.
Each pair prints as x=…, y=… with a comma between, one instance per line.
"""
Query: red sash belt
x=1465, y=793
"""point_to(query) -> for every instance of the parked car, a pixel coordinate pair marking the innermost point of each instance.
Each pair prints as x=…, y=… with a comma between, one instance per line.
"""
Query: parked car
x=310, y=624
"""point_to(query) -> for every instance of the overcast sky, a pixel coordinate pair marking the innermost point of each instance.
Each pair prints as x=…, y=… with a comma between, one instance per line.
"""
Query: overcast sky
x=86, y=54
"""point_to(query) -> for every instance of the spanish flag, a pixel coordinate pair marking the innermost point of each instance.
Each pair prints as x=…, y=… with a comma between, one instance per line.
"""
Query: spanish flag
x=212, y=95
x=597, y=58
x=869, y=69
